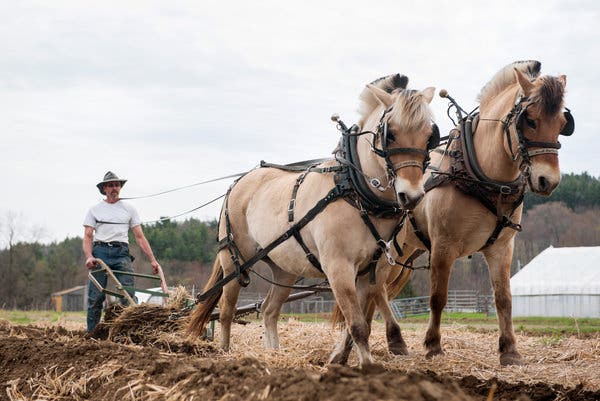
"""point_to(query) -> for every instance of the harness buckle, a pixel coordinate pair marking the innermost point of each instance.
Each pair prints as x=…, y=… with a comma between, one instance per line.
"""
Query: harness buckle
x=505, y=190
x=514, y=226
x=391, y=261
x=376, y=183
x=292, y=204
x=386, y=246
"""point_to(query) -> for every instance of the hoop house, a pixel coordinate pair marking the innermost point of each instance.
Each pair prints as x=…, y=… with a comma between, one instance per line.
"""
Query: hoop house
x=559, y=282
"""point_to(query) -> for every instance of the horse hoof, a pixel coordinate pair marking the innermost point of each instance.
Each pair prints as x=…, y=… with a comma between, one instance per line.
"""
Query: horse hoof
x=372, y=368
x=433, y=353
x=338, y=359
x=398, y=349
x=511, y=358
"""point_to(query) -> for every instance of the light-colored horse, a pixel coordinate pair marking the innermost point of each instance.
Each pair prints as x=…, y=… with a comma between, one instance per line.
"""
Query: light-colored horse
x=257, y=207
x=458, y=225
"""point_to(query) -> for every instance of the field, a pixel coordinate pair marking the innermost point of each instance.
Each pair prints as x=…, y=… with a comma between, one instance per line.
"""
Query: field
x=144, y=355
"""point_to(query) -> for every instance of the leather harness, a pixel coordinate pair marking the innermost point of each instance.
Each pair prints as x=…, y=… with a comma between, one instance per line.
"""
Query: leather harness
x=350, y=185
x=500, y=198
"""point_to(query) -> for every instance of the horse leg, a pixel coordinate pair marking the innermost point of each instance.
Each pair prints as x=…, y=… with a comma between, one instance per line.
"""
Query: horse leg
x=396, y=344
x=344, y=289
x=439, y=276
x=499, y=260
x=271, y=307
x=228, y=302
x=376, y=296
x=342, y=349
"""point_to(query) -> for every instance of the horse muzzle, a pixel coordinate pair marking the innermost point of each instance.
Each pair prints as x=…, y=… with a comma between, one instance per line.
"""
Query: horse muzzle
x=543, y=182
x=408, y=201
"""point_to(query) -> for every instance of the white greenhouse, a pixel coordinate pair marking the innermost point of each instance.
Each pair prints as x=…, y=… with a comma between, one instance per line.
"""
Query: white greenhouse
x=559, y=282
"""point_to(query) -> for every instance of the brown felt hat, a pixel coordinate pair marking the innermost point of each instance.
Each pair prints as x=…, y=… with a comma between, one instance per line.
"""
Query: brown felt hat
x=109, y=177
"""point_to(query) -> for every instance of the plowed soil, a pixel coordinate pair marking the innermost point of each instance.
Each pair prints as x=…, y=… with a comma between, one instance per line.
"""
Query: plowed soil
x=54, y=363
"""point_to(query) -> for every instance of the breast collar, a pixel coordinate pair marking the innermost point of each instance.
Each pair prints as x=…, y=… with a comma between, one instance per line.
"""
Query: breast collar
x=473, y=168
x=499, y=197
x=351, y=178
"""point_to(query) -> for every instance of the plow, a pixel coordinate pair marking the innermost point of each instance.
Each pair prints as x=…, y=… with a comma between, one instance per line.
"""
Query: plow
x=123, y=292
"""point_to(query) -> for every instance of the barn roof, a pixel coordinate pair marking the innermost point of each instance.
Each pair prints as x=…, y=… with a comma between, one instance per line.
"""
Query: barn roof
x=573, y=270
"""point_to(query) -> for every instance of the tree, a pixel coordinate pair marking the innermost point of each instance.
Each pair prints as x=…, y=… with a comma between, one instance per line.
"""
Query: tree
x=576, y=191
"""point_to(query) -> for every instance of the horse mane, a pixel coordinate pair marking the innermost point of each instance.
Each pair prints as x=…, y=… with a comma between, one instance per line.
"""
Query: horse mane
x=410, y=112
x=389, y=83
x=506, y=76
x=548, y=93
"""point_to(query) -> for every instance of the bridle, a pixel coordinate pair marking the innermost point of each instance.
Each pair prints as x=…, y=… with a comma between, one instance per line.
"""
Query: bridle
x=383, y=134
x=518, y=117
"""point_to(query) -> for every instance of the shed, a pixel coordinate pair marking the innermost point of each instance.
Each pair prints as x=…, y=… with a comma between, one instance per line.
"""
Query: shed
x=559, y=282
x=72, y=299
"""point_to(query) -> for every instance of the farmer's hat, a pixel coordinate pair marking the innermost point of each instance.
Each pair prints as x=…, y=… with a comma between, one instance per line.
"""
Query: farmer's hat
x=109, y=177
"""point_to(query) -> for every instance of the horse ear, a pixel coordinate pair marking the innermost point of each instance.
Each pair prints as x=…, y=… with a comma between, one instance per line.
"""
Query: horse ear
x=525, y=83
x=428, y=93
x=382, y=96
x=563, y=80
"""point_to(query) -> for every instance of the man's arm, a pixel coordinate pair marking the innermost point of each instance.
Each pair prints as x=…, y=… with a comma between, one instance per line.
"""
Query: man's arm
x=141, y=240
x=88, y=236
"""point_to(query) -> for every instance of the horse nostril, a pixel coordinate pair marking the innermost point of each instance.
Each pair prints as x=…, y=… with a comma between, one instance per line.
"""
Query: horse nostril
x=408, y=202
x=543, y=183
x=402, y=199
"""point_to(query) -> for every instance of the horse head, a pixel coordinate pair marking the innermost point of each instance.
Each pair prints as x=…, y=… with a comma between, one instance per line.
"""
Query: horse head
x=540, y=121
x=401, y=121
x=533, y=122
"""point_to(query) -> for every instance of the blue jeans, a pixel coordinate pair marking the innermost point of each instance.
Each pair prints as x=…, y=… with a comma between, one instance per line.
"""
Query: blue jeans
x=117, y=259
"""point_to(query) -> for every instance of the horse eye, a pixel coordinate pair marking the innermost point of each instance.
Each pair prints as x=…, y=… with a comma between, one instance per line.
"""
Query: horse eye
x=530, y=122
x=391, y=137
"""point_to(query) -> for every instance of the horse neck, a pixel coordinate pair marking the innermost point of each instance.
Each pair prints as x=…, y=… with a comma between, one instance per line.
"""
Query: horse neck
x=369, y=161
x=493, y=156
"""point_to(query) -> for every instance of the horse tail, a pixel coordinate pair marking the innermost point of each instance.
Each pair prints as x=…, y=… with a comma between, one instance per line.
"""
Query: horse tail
x=337, y=318
x=201, y=315
x=393, y=288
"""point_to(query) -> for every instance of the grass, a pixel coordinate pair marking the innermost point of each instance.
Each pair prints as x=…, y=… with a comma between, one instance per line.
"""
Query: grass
x=556, y=327
x=541, y=326
x=41, y=317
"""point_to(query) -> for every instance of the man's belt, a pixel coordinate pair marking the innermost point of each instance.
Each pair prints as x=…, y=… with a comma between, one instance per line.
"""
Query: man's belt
x=111, y=244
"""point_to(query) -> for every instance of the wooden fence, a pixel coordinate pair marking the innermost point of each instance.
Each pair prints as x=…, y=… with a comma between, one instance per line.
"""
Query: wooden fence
x=458, y=301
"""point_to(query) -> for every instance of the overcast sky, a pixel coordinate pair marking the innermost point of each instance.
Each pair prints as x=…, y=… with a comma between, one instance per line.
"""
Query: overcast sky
x=166, y=94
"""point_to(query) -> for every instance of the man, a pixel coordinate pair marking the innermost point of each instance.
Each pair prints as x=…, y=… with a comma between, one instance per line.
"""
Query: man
x=106, y=228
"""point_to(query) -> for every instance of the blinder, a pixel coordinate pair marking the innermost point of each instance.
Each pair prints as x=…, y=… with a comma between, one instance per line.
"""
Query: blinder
x=569, y=127
x=434, y=139
x=567, y=130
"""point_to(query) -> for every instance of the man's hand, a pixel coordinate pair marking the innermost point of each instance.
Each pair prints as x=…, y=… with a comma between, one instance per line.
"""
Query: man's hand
x=155, y=267
x=90, y=262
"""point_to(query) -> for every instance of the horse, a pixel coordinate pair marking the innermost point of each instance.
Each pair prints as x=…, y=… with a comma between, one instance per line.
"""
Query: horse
x=513, y=143
x=396, y=129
